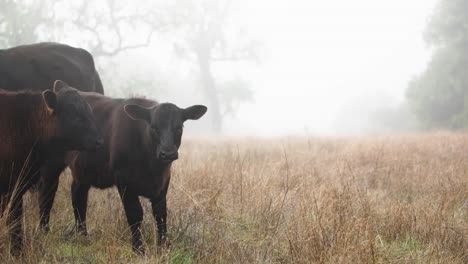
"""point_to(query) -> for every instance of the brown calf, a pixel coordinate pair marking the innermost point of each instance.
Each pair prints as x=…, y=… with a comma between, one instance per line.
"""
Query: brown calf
x=141, y=139
x=34, y=127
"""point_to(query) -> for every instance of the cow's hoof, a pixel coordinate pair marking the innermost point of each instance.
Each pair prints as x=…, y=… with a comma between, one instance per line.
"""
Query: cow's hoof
x=74, y=232
x=139, y=250
x=164, y=243
x=45, y=228
x=16, y=251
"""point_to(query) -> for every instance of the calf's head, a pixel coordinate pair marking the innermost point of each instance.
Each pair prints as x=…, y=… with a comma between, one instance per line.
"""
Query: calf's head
x=165, y=126
x=75, y=125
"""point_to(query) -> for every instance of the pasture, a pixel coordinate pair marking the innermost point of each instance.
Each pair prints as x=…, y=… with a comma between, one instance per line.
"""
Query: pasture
x=395, y=199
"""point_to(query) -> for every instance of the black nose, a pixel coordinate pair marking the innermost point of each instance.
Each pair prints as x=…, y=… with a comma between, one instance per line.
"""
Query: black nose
x=169, y=155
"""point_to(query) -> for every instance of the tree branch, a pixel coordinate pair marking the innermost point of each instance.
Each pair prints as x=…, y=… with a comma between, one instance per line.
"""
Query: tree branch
x=115, y=25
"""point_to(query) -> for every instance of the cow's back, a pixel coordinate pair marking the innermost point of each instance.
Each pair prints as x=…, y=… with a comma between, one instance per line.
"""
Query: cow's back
x=37, y=66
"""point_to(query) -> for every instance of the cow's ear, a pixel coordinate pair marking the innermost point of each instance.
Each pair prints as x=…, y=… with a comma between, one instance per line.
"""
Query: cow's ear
x=137, y=112
x=58, y=84
x=50, y=99
x=194, y=112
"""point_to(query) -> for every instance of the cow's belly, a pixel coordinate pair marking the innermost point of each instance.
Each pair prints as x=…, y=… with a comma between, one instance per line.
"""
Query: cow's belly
x=147, y=191
x=148, y=187
x=98, y=177
x=102, y=182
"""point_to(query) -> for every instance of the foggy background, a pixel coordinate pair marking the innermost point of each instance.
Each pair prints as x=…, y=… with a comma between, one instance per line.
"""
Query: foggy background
x=270, y=68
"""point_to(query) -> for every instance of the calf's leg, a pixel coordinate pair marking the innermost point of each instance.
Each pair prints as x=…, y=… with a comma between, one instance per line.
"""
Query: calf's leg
x=3, y=203
x=80, y=203
x=47, y=189
x=159, y=207
x=134, y=214
x=160, y=215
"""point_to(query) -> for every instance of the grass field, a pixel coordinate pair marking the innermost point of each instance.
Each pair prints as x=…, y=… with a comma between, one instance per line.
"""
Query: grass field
x=400, y=199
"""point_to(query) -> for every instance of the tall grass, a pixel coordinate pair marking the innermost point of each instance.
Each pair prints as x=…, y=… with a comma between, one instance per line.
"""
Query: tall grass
x=397, y=199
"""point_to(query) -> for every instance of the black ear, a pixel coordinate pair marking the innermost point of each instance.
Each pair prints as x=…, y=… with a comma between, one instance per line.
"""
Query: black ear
x=50, y=99
x=137, y=112
x=194, y=112
x=58, y=84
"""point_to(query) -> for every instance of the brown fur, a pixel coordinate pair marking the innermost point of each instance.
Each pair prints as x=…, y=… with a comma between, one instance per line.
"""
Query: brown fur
x=130, y=159
x=35, y=127
x=26, y=121
x=26, y=129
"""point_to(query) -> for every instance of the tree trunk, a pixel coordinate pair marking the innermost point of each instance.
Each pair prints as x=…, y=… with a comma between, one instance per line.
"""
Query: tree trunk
x=209, y=88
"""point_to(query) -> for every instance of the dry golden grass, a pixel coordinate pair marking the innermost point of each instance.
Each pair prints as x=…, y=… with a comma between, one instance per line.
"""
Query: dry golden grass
x=401, y=199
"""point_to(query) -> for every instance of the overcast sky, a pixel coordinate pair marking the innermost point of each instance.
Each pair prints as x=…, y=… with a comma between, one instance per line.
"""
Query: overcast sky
x=321, y=55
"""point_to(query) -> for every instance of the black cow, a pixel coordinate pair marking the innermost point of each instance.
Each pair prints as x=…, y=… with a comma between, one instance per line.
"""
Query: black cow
x=37, y=66
x=141, y=140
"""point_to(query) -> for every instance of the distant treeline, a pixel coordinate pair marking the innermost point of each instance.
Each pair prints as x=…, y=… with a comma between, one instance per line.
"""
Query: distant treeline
x=439, y=95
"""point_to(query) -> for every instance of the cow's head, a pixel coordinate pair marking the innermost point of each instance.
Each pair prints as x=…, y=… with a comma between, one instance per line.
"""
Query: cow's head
x=75, y=125
x=165, y=126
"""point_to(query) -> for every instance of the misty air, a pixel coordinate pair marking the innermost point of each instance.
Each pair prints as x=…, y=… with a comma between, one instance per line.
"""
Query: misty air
x=220, y=131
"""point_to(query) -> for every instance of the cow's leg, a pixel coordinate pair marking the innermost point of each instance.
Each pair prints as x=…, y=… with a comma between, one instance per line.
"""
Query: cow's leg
x=14, y=222
x=160, y=215
x=159, y=206
x=80, y=203
x=134, y=214
x=48, y=184
x=3, y=203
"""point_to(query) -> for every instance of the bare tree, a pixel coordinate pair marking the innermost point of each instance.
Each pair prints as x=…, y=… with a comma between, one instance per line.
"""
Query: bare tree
x=207, y=38
x=21, y=23
x=106, y=30
x=112, y=24
x=203, y=32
